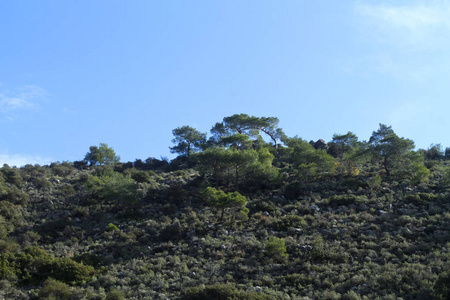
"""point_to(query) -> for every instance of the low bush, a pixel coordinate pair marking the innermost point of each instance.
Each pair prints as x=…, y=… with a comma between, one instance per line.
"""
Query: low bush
x=35, y=265
x=54, y=289
x=222, y=292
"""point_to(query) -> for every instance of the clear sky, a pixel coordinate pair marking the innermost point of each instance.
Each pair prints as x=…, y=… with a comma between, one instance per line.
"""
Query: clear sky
x=77, y=73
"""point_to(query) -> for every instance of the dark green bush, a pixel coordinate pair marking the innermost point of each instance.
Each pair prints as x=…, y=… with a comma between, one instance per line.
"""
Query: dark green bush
x=222, y=292
x=420, y=198
x=354, y=183
x=54, y=289
x=294, y=190
x=276, y=249
x=41, y=183
x=64, y=169
x=343, y=200
x=89, y=259
x=442, y=286
x=115, y=295
x=13, y=176
x=53, y=229
x=35, y=265
x=290, y=221
x=142, y=176
x=13, y=194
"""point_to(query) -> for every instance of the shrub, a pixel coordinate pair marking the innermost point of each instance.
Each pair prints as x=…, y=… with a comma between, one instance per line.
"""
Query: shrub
x=89, y=259
x=64, y=169
x=276, y=249
x=222, y=201
x=343, y=200
x=13, y=176
x=290, y=221
x=35, y=265
x=42, y=183
x=222, y=292
x=114, y=187
x=442, y=286
x=66, y=190
x=54, y=289
x=115, y=295
x=111, y=227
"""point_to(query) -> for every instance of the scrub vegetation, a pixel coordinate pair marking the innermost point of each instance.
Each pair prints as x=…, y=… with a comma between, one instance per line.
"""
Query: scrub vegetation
x=246, y=213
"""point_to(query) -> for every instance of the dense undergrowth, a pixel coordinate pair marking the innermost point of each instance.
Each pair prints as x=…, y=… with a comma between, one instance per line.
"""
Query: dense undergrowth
x=146, y=231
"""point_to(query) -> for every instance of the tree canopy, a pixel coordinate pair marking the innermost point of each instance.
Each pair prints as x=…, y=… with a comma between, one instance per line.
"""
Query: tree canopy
x=102, y=155
x=251, y=126
x=222, y=201
x=187, y=140
x=388, y=148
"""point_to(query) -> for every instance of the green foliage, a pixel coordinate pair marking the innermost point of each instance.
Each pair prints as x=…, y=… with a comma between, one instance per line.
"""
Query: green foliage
x=243, y=124
x=290, y=221
x=115, y=295
x=102, y=155
x=343, y=200
x=55, y=290
x=89, y=259
x=420, y=198
x=308, y=161
x=114, y=187
x=345, y=148
x=4, y=228
x=63, y=169
x=374, y=236
x=374, y=182
x=445, y=176
x=244, y=213
x=276, y=249
x=140, y=175
x=342, y=144
x=222, y=292
x=187, y=140
x=13, y=194
x=434, y=152
x=111, y=227
x=35, y=265
x=11, y=212
x=442, y=286
x=227, y=166
x=236, y=141
x=319, y=252
x=9, y=245
x=222, y=201
x=12, y=175
x=390, y=150
x=41, y=183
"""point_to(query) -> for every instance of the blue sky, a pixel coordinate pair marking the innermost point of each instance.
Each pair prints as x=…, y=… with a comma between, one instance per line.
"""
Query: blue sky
x=77, y=73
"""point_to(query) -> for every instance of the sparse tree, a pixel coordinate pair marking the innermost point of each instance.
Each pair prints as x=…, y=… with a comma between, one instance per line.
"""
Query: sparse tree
x=187, y=140
x=102, y=155
x=389, y=149
x=251, y=126
x=222, y=201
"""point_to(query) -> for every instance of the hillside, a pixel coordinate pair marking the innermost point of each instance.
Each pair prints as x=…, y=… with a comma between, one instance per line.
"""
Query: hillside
x=287, y=222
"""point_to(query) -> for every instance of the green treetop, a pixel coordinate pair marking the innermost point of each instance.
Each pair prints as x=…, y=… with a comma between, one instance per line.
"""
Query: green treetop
x=388, y=148
x=251, y=126
x=102, y=155
x=222, y=201
x=187, y=140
